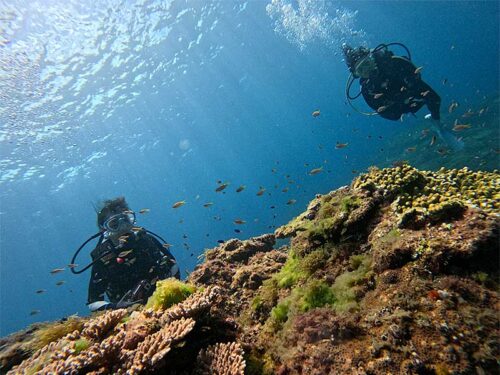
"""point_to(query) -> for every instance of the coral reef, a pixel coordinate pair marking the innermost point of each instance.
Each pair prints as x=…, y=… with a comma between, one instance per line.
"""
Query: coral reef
x=395, y=274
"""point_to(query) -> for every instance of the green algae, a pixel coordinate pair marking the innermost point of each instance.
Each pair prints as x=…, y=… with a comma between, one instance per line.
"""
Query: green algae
x=80, y=345
x=342, y=288
x=168, y=293
x=54, y=331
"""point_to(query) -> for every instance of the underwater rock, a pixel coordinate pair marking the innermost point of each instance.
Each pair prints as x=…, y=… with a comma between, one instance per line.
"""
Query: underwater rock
x=396, y=273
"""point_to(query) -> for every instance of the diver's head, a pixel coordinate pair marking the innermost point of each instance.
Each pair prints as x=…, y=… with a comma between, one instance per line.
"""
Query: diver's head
x=115, y=217
x=359, y=60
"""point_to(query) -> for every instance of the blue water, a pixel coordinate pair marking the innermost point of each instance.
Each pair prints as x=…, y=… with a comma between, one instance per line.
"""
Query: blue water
x=159, y=100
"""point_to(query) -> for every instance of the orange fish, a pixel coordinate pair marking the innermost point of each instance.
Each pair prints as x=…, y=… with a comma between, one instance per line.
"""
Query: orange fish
x=459, y=127
x=261, y=191
x=341, y=145
x=178, y=204
x=222, y=187
x=239, y=221
x=144, y=210
x=315, y=171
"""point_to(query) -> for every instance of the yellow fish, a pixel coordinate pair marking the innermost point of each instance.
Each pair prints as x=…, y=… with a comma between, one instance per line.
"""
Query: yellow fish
x=315, y=171
x=166, y=245
x=179, y=204
x=222, y=187
x=144, y=210
x=316, y=113
x=125, y=253
x=433, y=140
x=239, y=221
x=240, y=189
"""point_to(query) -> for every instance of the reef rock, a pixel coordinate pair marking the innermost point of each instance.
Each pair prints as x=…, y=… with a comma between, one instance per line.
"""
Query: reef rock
x=395, y=274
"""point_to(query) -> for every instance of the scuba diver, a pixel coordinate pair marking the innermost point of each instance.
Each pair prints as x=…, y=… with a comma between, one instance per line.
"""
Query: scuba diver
x=392, y=86
x=127, y=260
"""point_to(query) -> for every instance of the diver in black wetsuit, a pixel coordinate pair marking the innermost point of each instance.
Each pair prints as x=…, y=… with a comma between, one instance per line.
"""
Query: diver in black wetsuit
x=392, y=86
x=127, y=261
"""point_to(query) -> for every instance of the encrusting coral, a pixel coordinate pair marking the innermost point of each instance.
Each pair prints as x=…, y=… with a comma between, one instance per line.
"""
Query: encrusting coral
x=396, y=273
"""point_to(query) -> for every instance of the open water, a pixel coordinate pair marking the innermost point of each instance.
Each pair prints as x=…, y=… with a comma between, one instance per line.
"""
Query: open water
x=159, y=100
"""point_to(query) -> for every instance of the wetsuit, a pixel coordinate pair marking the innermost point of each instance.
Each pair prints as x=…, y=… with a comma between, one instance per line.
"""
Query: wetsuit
x=403, y=90
x=123, y=267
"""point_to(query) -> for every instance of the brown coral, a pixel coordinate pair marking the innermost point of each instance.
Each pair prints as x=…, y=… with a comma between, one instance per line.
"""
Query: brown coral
x=97, y=328
x=153, y=349
x=222, y=359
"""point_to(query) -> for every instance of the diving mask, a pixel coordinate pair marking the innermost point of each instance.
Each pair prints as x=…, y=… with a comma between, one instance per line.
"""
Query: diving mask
x=365, y=67
x=121, y=222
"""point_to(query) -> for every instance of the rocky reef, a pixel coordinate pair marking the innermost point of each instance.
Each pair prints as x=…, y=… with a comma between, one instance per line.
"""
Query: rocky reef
x=397, y=273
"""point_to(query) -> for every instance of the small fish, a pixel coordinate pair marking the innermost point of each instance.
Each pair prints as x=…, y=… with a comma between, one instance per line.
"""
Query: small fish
x=411, y=149
x=442, y=151
x=261, y=191
x=123, y=254
x=341, y=145
x=433, y=140
x=34, y=312
x=459, y=127
x=128, y=212
x=136, y=229
x=291, y=201
x=315, y=171
x=240, y=188
x=376, y=96
x=419, y=69
x=316, y=113
x=123, y=239
x=424, y=133
x=381, y=109
x=56, y=270
x=144, y=210
x=285, y=189
x=62, y=282
x=166, y=245
x=354, y=171
x=40, y=291
x=220, y=241
x=237, y=231
x=208, y=204
x=469, y=113
x=221, y=187
x=424, y=93
x=179, y=204
x=402, y=88
x=72, y=265
x=452, y=107
x=445, y=81
x=239, y=221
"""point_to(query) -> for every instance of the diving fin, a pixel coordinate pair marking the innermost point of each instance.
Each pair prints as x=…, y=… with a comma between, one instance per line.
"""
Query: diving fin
x=445, y=135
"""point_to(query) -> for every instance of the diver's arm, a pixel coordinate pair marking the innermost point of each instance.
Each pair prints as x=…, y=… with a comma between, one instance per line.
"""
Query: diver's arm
x=97, y=288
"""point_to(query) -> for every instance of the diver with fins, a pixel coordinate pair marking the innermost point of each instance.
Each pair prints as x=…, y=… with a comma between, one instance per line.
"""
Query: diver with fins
x=127, y=260
x=392, y=86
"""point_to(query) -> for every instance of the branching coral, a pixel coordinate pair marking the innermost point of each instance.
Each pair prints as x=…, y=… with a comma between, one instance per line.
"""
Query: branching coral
x=222, y=359
x=97, y=328
x=153, y=349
